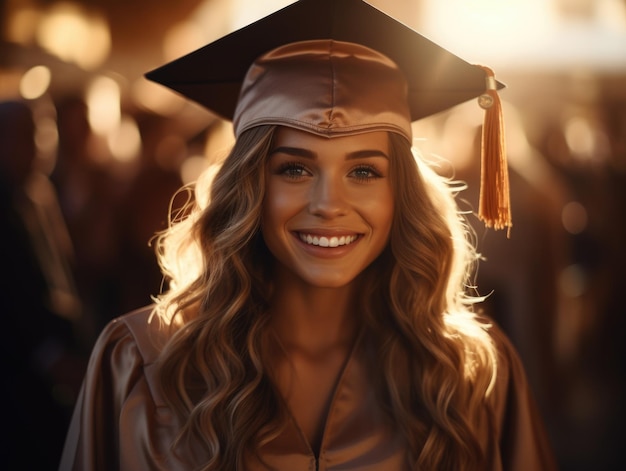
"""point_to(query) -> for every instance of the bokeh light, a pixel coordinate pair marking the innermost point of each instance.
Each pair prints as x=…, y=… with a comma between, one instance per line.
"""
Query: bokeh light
x=35, y=82
x=103, y=101
x=156, y=98
x=75, y=35
x=125, y=141
x=192, y=168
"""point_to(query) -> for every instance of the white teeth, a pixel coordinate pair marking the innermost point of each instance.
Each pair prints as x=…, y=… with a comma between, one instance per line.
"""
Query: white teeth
x=326, y=241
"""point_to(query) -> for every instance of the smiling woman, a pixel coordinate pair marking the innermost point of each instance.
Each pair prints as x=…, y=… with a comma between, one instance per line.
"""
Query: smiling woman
x=322, y=191
x=322, y=317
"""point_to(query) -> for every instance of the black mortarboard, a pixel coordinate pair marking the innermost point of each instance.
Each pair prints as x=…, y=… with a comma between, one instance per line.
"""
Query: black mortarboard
x=212, y=75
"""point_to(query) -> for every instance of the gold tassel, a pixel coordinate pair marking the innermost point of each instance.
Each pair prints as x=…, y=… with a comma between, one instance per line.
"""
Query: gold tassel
x=494, y=204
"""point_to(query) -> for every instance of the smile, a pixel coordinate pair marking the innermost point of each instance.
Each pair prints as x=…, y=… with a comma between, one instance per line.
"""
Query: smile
x=327, y=241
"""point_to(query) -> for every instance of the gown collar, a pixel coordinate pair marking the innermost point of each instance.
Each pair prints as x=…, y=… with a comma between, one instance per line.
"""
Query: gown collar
x=357, y=433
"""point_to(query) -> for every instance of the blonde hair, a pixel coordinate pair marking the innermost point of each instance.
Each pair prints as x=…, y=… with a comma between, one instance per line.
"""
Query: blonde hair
x=435, y=361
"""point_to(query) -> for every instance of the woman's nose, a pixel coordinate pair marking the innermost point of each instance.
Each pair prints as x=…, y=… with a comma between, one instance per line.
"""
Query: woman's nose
x=328, y=198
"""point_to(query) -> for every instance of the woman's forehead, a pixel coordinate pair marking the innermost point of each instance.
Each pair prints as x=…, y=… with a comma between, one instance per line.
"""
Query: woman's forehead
x=367, y=143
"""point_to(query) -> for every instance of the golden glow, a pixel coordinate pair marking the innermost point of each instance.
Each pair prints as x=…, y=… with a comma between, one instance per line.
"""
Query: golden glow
x=156, y=98
x=75, y=35
x=528, y=33
x=192, y=168
x=22, y=25
x=35, y=82
x=248, y=11
x=125, y=142
x=480, y=30
x=182, y=38
x=103, y=102
x=582, y=138
x=219, y=140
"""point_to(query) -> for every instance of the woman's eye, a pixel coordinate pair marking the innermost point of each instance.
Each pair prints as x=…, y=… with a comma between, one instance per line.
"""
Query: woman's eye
x=365, y=173
x=293, y=170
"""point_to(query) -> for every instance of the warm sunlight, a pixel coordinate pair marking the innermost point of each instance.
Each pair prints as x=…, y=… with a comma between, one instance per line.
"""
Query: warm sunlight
x=74, y=35
x=529, y=33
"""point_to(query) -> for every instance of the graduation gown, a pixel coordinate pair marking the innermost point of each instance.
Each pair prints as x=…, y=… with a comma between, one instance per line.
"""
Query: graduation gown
x=121, y=421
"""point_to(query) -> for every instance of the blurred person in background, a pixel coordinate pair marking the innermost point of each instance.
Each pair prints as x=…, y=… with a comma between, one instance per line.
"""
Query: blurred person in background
x=89, y=199
x=42, y=360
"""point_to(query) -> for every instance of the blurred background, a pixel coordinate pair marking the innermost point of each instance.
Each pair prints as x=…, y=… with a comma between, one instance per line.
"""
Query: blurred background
x=91, y=154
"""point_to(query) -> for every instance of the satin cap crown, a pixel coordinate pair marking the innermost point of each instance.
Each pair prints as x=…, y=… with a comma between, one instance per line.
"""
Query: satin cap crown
x=317, y=86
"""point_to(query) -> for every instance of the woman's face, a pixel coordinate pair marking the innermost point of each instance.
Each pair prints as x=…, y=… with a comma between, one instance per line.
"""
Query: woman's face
x=328, y=207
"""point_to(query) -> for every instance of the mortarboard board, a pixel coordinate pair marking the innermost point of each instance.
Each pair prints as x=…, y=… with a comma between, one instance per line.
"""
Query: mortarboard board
x=213, y=74
x=437, y=79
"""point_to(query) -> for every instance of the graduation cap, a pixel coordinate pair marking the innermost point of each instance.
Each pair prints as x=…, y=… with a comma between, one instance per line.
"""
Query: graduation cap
x=337, y=67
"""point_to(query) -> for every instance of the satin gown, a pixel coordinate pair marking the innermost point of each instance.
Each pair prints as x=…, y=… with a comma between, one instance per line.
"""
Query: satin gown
x=121, y=421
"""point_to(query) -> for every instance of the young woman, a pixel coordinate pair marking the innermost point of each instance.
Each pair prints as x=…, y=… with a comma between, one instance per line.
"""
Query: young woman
x=318, y=315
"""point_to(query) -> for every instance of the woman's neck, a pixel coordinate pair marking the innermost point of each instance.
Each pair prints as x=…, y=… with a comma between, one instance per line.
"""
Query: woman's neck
x=313, y=320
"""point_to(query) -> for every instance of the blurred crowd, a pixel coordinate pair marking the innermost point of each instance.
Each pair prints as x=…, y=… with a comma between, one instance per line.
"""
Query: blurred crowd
x=76, y=252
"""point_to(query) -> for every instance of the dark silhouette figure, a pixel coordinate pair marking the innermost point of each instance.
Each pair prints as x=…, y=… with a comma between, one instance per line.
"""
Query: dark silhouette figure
x=88, y=196
x=144, y=211
x=42, y=364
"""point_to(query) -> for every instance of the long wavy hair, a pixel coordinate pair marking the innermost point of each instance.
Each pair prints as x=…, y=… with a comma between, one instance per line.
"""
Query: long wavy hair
x=435, y=362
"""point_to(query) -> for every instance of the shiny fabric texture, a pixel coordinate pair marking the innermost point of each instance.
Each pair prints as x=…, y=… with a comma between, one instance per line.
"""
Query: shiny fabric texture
x=318, y=86
x=121, y=421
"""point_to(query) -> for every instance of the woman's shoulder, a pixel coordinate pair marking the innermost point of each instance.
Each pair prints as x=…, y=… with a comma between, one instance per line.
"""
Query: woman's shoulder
x=125, y=356
x=138, y=330
x=120, y=404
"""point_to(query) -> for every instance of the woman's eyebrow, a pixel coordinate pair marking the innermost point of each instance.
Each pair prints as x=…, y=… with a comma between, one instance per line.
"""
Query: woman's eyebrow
x=295, y=151
x=306, y=153
x=366, y=153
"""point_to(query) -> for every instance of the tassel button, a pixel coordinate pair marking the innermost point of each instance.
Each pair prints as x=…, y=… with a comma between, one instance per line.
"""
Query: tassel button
x=485, y=101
